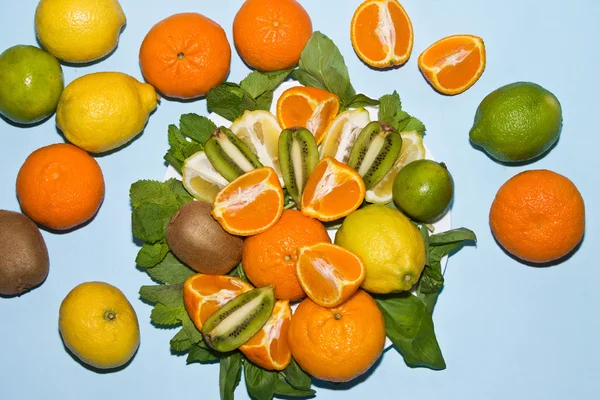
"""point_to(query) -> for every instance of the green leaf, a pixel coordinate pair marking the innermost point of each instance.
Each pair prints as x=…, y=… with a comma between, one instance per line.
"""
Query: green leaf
x=431, y=280
x=412, y=124
x=258, y=83
x=238, y=272
x=283, y=388
x=455, y=235
x=181, y=148
x=359, y=100
x=149, y=221
x=263, y=102
x=230, y=374
x=229, y=100
x=170, y=270
x=259, y=382
x=151, y=254
x=151, y=192
x=409, y=326
x=193, y=334
x=166, y=315
x=178, y=190
x=201, y=353
x=167, y=295
x=180, y=342
x=322, y=65
x=296, y=377
x=196, y=127
x=390, y=111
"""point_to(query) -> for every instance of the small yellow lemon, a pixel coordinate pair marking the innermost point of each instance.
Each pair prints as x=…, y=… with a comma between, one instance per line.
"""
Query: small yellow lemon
x=390, y=246
x=101, y=111
x=79, y=31
x=98, y=325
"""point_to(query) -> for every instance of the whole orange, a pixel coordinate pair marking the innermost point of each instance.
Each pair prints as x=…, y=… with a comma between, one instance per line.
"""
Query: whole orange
x=538, y=216
x=185, y=55
x=270, y=257
x=60, y=186
x=271, y=34
x=340, y=343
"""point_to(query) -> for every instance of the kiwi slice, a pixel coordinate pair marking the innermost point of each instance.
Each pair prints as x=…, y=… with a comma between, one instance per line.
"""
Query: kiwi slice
x=229, y=155
x=239, y=319
x=375, y=151
x=298, y=156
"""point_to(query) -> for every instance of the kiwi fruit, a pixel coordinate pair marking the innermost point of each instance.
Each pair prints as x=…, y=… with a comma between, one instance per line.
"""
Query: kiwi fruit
x=375, y=152
x=229, y=155
x=239, y=319
x=200, y=242
x=298, y=156
x=24, y=261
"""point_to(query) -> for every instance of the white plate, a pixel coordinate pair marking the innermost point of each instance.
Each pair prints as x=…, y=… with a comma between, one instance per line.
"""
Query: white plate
x=442, y=225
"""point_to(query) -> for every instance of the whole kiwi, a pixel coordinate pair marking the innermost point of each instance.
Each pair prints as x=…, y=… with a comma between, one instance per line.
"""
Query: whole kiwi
x=200, y=242
x=24, y=261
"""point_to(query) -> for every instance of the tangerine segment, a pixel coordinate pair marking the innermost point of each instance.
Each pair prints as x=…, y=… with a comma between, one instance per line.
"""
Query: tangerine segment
x=329, y=274
x=340, y=343
x=454, y=63
x=205, y=294
x=308, y=107
x=332, y=191
x=270, y=348
x=382, y=33
x=250, y=204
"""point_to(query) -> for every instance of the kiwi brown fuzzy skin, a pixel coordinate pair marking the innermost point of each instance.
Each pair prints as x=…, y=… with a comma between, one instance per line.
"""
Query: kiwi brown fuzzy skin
x=198, y=240
x=24, y=261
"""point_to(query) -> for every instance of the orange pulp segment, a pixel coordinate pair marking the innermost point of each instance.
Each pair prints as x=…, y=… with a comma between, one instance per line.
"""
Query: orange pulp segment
x=250, y=204
x=453, y=64
x=382, y=33
x=308, y=107
x=332, y=191
x=329, y=274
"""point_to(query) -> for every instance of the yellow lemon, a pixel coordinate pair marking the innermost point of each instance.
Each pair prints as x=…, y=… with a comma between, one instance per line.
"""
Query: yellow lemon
x=98, y=325
x=79, y=30
x=390, y=246
x=104, y=110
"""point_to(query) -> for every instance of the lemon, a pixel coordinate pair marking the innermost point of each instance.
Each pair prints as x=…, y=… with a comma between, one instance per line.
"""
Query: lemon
x=412, y=150
x=104, y=110
x=259, y=130
x=342, y=133
x=200, y=178
x=79, y=30
x=390, y=246
x=98, y=325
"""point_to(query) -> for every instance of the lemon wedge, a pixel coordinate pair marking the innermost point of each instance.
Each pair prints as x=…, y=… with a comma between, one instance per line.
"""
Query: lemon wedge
x=200, y=178
x=342, y=134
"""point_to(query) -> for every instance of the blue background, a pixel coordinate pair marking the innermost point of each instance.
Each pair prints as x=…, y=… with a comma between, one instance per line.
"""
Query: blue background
x=507, y=330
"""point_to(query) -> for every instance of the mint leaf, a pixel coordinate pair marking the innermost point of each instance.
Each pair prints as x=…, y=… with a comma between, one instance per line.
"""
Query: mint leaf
x=149, y=221
x=229, y=101
x=259, y=382
x=180, y=342
x=390, y=111
x=230, y=374
x=166, y=315
x=296, y=377
x=322, y=65
x=409, y=326
x=155, y=192
x=170, y=270
x=178, y=190
x=238, y=272
x=359, y=100
x=257, y=83
x=201, y=353
x=196, y=127
x=412, y=124
x=168, y=295
x=151, y=254
x=283, y=388
x=181, y=148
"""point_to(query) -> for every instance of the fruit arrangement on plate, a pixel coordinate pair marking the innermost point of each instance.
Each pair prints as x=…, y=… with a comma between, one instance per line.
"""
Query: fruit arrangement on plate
x=301, y=226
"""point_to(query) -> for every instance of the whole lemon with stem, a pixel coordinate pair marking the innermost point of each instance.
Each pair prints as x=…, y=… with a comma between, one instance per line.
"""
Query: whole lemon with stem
x=98, y=325
x=79, y=31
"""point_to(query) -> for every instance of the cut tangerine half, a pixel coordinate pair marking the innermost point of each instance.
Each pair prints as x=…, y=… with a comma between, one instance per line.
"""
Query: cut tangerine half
x=453, y=64
x=307, y=107
x=250, y=204
x=270, y=348
x=382, y=33
x=205, y=294
x=332, y=191
x=329, y=274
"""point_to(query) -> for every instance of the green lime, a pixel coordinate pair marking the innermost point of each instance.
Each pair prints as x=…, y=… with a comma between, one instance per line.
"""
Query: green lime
x=31, y=82
x=517, y=122
x=423, y=190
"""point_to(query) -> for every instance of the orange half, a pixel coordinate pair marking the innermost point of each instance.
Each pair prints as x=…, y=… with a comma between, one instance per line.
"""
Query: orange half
x=454, y=63
x=307, y=107
x=250, y=204
x=205, y=294
x=382, y=33
x=270, y=348
x=332, y=191
x=329, y=274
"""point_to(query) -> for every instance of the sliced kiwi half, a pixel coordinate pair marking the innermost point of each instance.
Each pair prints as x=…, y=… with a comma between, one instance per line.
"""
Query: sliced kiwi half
x=375, y=151
x=239, y=319
x=229, y=155
x=298, y=156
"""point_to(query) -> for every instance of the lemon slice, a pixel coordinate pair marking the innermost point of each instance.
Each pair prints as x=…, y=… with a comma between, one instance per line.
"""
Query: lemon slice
x=412, y=150
x=259, y=130
x=342, y=134
x=200, y=178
